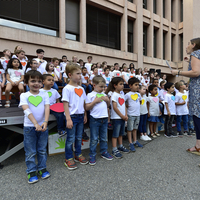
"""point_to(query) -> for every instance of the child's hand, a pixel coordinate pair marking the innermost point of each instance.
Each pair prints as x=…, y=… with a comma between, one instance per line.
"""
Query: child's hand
x=13, y=83
x=125, y=118
x=169, y=114
x=69, y=124
x=60, y=80
x=149, y=115
x=38, y=127
x=44, y=126
x=160, y=113
x=105, y=98
x=98, y=99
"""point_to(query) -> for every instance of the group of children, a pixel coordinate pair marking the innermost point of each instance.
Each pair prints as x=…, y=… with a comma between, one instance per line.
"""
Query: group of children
x=147, y=100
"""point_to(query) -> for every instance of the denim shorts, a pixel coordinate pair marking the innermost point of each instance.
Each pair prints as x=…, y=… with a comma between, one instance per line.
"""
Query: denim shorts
x=133, y=122
x=118, y=127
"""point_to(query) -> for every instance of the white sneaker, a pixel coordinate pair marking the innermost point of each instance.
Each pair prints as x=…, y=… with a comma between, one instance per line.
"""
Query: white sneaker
x=142, y=137
x=147, y=137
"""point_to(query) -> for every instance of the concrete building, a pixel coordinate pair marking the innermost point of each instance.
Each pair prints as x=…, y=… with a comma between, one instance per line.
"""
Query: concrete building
x=145, y=32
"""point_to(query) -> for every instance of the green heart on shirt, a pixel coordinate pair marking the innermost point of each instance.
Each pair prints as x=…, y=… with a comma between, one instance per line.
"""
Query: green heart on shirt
x=50, y=94
x=35, y=100
x=100, y=95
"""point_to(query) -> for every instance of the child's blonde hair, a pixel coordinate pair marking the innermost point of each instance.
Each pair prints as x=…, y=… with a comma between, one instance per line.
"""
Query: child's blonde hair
x=98, y=79
x=178, y=85
x=71, y=67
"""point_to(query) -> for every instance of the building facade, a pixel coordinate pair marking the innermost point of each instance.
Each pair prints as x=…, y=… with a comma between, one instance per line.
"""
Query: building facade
x=145, y=32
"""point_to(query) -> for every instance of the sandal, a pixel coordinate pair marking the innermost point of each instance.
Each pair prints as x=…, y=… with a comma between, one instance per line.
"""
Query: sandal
x=157, y=134
x=7, y=105
x=153, y=135
x=196, y=151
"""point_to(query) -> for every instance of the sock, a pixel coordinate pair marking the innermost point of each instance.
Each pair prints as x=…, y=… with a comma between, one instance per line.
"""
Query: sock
x=134, y=142
x=121, y=145
x=114, y=148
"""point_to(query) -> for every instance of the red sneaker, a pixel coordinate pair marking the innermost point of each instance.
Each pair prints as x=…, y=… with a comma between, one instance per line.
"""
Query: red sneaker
x=81, y=159
x=70, y=164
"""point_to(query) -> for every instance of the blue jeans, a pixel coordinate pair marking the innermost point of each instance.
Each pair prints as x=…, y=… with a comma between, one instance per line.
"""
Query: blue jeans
x=98, y=130
x=185, y=122
x=143, y=124
x=74, y=135
x=89, y=88
x=118, y=127
x=35, y=143
x=55, y=86
x=60, y=118
x=190, y=122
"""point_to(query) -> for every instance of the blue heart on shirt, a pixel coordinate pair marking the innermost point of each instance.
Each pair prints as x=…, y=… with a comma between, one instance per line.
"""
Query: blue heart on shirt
x=173, y=98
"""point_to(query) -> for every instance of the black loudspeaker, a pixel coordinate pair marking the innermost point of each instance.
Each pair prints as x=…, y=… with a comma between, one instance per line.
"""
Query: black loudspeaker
x=158, y=71
x=151, y=71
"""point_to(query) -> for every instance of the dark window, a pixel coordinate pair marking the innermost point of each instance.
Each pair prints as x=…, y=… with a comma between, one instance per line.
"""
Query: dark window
x=72, y=23
x=131, y=1
x=130, y=36
x=172, y=10
x=181, y=10
x=164, y=44
x=145, y=40
x=155, y=6
x=155, y=43
x=145, y=4
x=40, y=13
x=181, y=46
x=172, y=47
x=103, y=28
x=163, y=8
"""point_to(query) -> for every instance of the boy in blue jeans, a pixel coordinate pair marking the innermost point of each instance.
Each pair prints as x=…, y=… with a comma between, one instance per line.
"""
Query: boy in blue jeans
x=73, y=97
x=97, y=102
x=35, y=104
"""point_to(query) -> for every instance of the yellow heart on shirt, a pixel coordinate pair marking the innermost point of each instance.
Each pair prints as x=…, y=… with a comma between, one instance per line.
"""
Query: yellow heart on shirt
x=184, y=97
x=142, y=101
x=134, y=97
x=156, y=95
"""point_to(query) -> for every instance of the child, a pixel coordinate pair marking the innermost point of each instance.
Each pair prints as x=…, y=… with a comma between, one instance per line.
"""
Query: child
x=116, y=72
x=85, y=80
x=57, y=70
x=145, y=80
x=169, y=110
x=48, y=82
x=118, y=115
x=95, y=73
x=97, y=102
x=107, y=76
x=2, y=80
x=36, y=116
x=75, y=60
x=182, y=112
x=73, y=97
x=32, y=65
x=81, y=63
x=6, y=58
x=132, y=99
x=15, y=52
x=164, y=77
x=132, y=72
x=143, y=114
x=138, y=76
x=88, y=64
x=125, y=76
x=15, y=77
x=153, y=110
x=40, y=60
x=63, y=64
x=21, y=56
x=162, y=92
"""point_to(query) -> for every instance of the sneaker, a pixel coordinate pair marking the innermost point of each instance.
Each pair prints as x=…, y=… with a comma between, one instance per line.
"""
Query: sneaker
x=62, y=133
x=106, y=156
x=168, y=135
x=131, y=147
x=142, y=137
x=123, y=149
x=187, y=133
x=70, y=164
x=81, y=159
x=147, y=138
x=44, y=173
x=174, y=135
x=192, y=132
x=92, y=160
x=180, y=134
x=110, y=127
x=137, y=144
x=117, y=154
x=32, y=177
x=84, y=136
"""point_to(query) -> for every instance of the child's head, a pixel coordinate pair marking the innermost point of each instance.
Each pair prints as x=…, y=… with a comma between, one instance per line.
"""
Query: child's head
x=17, y=48
x=158, y=76
x=55, y=61
x=74, y=59
x=111, y=68
x=142, y=89
x=180, y=85
x=134, y=84
x=162, y=84
x=116, y=66
x=73, y=71
x=131, y=66
x=95, y=71
x=99, y=83
x=33, y=64
x=84, y=70
x=146, y=69
x=104, y=63
x=155, y=82
x=106, y=71
x=89, y=58
x=20, y=54
x=137, y=72
x=132, y=69
x=7, y=52
x=169, y=87
x=93, y=66
x=99, y=65
x=117, y=83
x=81, y=62
x=48, y=80
x=151, y=75
x=153, y=89
x=14, y=63
x=145, y=75
x=40, y=53
x=64, y=58
x=164, y=76
x=125, y=68
x=49, y=67
x=140, y=70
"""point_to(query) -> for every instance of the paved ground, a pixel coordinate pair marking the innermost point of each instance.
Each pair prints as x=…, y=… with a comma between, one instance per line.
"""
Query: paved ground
x=161, y=170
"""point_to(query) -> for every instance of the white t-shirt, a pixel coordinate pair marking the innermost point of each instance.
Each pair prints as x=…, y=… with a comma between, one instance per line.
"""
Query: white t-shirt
x=107, y=79
x=120, y=100
x=116, y=73
x=63, y=66
x=100, y=71
x=180, y=98
x=131, y=75
x=100, y=109
x=15, y=75
x=65, y=75
x=4, y=63
x=76, y=97
x=126, y=76
x=84, y=79
x=145, y=82
x=1, y=74
x=162, y=94
x=170, y=99
x=143, y=105
x=140, y=78
x=36, y=104
x=24, y=63
x=57, y=71
x=88, y=66
x=14, y=56
x=42, y=66
x=154, y=109
x=91, y=77
x=133, y=101
x=53, y=95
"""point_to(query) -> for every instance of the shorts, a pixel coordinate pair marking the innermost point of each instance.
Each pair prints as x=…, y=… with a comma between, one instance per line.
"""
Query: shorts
x=118, y=127
x=133, y=122
x=14, y=81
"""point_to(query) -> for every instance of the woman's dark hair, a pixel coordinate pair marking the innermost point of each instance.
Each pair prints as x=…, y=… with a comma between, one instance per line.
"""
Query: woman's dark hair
x=131, y=65
x=10, y=66
x=113, y=82
x=168, y=85
x=195, y=41
x=29, y=64
x=151, y=87
x=32, y=74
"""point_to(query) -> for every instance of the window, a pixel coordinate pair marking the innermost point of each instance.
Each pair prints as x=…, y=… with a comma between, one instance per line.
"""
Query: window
x=181, y=10
x=72, y=19
x=172, y=10
x=164, y=44
x=145, y=4
x=163, y=8
x=130, y=36
x=155, y=43
x=145, y=40
x=172, y=47
x=39, y=13
x=181, y=46
x=103, y=28
x=155, y=6
x=130, y=1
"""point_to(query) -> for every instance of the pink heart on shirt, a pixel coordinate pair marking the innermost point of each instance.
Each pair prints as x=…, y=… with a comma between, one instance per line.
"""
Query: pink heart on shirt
x=17, y=73
x=58, y=69
x=165, y=93
x=155, y=99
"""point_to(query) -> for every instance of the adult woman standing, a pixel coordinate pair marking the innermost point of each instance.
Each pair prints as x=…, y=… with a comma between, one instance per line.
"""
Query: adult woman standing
x=193, y=49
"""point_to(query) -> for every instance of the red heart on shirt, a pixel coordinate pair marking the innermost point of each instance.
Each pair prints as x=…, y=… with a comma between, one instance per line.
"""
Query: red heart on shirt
x=118, y=74
x=6, y=61
x=79, y=91
x=121, y=101
x=23, y=64
x=86, y=78
x=0, y=72
x=146, y=81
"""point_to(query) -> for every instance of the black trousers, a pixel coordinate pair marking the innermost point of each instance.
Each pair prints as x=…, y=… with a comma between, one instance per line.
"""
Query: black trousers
x=197, y=126
x=168, y=124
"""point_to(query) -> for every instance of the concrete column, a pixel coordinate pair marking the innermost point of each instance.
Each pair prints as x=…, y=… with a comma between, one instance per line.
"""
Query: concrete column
x=83, y=22
x=168, y=35
x=150, y=30
x=62, y=20
x=124, y=29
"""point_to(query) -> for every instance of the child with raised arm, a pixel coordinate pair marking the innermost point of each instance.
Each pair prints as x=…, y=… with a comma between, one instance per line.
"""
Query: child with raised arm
x=4, y=60
x=36, y=115
x=97, y=102
x=169, y=110
x=133, y=99
x=118, y=115
x=48, y=82
x=73, y=97
x=182, y=112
